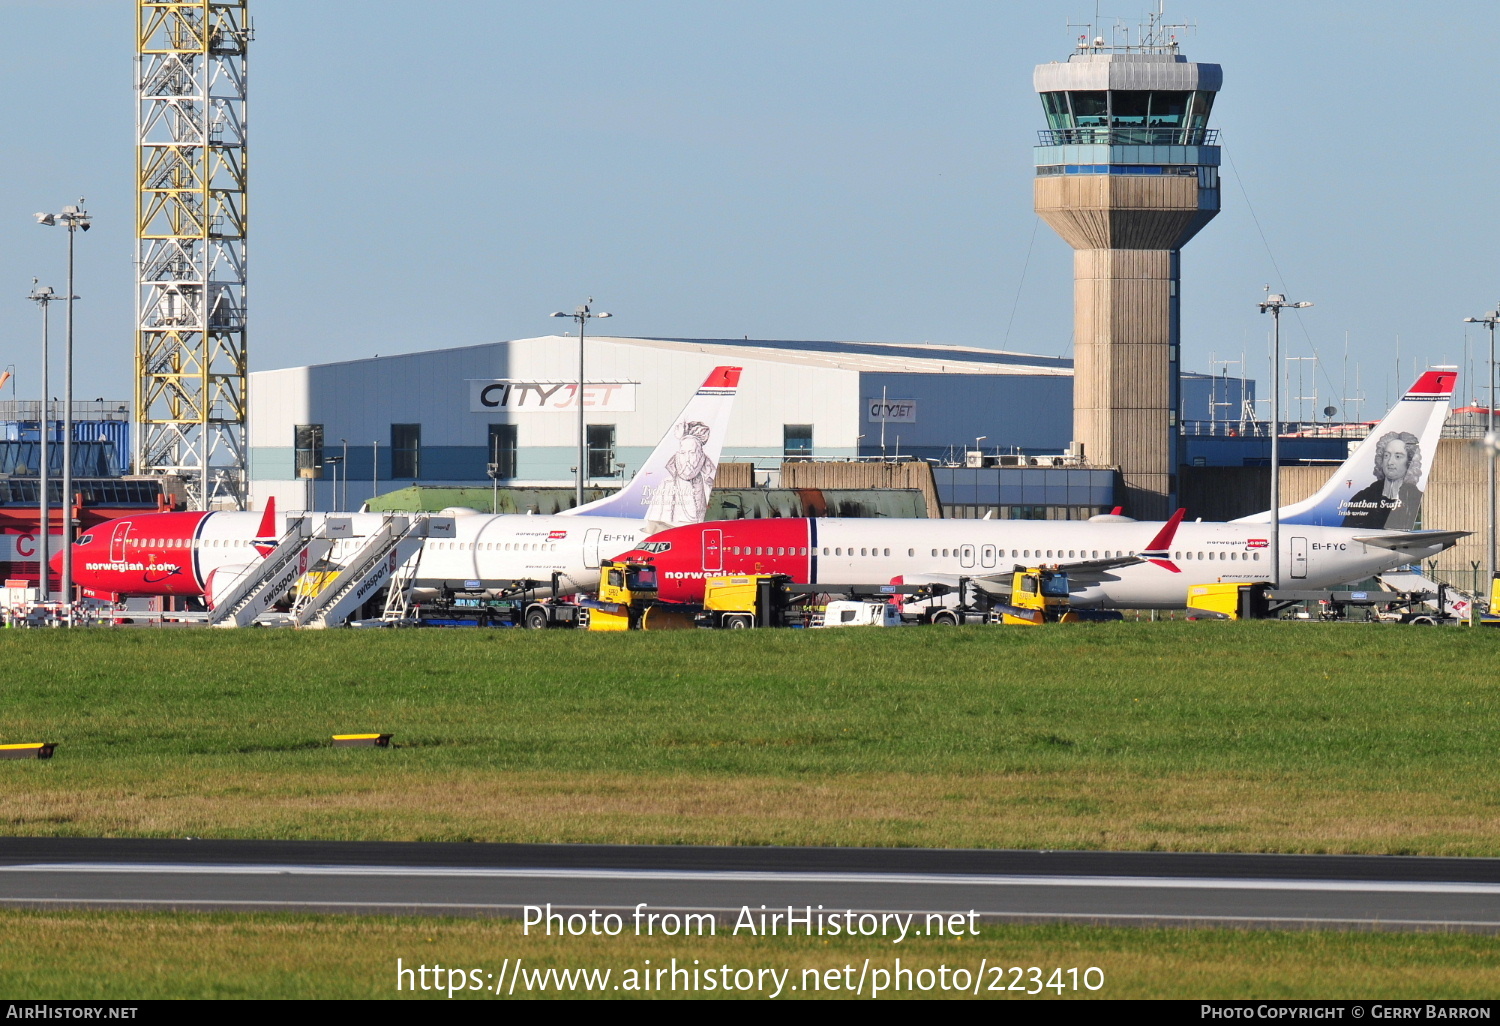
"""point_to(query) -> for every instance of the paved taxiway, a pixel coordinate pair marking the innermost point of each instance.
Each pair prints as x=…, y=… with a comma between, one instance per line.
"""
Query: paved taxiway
x=498, y=879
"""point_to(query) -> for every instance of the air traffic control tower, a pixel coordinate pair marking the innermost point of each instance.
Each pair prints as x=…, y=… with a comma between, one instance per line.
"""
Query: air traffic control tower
x=1127, y=172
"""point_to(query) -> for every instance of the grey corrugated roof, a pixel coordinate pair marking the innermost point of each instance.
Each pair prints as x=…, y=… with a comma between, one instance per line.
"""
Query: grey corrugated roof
x=868, y=357
x=884, y=357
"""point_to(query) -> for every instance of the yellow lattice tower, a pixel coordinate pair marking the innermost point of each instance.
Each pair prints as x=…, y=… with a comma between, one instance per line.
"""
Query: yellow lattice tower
x=190, y=228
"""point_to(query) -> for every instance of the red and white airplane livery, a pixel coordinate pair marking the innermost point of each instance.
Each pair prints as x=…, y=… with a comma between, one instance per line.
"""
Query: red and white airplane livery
x=187, y=554
x=1359, y=524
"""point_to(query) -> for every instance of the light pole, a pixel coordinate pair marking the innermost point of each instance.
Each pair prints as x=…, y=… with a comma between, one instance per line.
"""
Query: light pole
x=581, y=315
x=1488, y=320
x=334, y=461
x=1274, y=303
x=344, y=500
x=72, y=218
x=43, y=295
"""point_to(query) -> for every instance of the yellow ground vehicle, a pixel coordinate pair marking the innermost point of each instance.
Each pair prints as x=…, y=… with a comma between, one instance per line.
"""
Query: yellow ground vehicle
x=627, y=600
x=1228, y=601
x=738, y=601
x=1491, y=617
x=1038, y=595
x=1259, y=601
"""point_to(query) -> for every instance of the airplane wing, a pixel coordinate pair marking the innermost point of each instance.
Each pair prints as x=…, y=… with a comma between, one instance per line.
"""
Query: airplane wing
x=1080, y=571
x=1410, y=541
x=1092, y=566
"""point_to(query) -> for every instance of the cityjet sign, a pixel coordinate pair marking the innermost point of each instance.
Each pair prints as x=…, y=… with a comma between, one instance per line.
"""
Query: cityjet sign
x=890, y=411
x=505, y=395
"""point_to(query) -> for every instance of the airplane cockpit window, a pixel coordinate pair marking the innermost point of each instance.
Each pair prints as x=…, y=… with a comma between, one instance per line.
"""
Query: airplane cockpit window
x=86, y=539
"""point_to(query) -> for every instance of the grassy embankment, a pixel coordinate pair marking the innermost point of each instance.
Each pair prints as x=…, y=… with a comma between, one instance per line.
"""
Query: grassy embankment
x=1246, y=737
x=123, y=956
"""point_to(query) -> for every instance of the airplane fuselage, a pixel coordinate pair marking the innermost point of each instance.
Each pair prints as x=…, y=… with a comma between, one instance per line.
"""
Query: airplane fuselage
x=177, y=553
x=873, y=551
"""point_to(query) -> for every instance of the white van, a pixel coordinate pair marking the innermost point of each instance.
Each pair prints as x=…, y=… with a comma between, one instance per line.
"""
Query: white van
x=860, y=614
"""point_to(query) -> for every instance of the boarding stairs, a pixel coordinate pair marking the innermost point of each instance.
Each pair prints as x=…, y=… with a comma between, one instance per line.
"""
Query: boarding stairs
x=398, y=594
x=395, y=543
x=299, y=548
x=1443, y=599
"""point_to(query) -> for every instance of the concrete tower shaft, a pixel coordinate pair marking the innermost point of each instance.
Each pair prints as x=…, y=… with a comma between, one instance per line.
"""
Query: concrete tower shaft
x=1127, y=172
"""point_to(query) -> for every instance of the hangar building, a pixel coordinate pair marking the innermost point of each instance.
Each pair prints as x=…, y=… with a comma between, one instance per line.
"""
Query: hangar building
x=440, y=417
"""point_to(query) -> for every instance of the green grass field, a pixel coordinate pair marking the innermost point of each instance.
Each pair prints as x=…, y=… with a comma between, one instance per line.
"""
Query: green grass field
x=124, y=956
x=1181, y=736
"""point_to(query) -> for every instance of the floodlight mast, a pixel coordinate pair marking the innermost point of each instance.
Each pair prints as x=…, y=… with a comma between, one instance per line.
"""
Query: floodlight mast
x=43, y=296
x=1492, y=443
x=74, y=219
x=1273, y=304
x=582, y=315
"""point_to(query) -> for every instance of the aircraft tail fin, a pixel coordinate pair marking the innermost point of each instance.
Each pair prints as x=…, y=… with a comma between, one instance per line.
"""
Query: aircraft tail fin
x=673, y=485
x=1380, y=485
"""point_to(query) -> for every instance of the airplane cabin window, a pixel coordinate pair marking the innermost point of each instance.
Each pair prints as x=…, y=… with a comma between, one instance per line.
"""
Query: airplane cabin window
x=934, y=552
x=911, y=552
x=887, y=552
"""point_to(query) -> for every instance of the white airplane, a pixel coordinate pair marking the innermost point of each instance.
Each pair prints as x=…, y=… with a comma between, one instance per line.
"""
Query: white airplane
x=1359, y=524
x=196, y=554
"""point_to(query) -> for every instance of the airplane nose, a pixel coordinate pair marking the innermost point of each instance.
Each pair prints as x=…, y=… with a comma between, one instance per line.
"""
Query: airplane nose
x=56, y=562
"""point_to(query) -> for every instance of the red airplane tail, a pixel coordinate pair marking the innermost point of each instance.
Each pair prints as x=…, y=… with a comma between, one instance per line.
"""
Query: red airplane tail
x=1159, y=551
x=265, y=534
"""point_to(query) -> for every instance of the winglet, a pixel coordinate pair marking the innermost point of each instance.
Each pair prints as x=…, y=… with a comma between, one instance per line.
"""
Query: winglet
x=1159, y=550
x=1163, y=539
x=265, y=534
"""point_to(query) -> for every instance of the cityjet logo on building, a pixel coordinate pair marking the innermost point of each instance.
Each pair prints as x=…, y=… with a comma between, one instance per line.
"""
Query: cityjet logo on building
x=890, y=411
x=510, y=396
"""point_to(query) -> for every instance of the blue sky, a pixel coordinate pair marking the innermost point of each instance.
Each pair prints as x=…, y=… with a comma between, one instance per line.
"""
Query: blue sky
x=430, y=175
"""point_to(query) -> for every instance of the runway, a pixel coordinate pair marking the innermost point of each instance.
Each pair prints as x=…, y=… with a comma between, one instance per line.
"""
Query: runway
x=1300, y=891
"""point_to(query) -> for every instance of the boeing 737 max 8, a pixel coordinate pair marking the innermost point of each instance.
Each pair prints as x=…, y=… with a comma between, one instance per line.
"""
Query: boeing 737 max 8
x=1362, y=522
